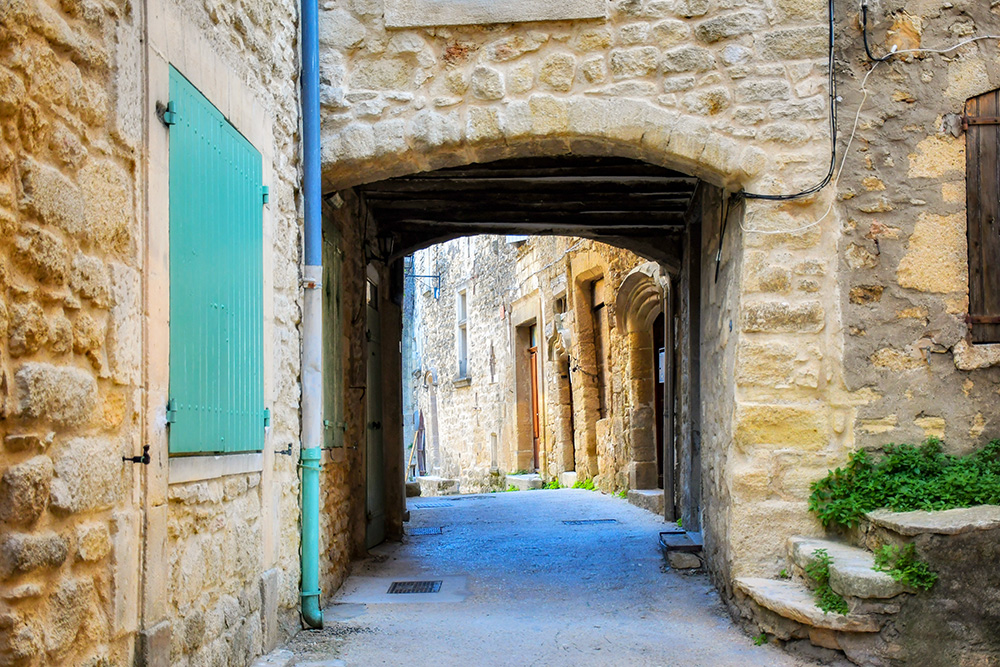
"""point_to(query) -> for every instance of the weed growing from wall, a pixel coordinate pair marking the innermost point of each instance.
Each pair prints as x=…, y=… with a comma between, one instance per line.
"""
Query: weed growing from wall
x=903, y=565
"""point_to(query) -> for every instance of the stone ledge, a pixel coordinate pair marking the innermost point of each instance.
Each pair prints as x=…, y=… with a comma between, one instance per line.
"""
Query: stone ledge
x=525, y=482
x=942, y=522
x=426, y=13
x=650, y=500
x=851, y=572
x=795, y=601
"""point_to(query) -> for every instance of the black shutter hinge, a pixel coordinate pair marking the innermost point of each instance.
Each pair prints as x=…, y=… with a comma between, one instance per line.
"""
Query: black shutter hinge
x=265, y=193
x=144, y=459
x=166, y=113
x=267, y=417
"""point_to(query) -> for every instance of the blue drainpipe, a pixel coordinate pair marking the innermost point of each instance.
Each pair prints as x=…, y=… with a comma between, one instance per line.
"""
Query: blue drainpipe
x=312, y=318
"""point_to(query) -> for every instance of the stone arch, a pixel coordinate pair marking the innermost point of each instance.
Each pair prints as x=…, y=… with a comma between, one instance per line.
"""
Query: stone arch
x=543, y=125
x=638, y=303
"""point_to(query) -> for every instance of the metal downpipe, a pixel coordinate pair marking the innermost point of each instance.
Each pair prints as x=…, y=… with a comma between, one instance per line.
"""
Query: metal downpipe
x=312, y=318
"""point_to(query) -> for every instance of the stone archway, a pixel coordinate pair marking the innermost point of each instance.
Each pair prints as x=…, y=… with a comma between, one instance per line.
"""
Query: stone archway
x=638, y=304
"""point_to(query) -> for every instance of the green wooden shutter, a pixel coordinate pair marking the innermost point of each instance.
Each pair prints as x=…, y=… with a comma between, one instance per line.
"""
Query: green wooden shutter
x=216, y=281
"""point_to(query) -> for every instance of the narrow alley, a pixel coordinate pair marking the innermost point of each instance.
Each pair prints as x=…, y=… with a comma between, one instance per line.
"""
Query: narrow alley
x=519, y=586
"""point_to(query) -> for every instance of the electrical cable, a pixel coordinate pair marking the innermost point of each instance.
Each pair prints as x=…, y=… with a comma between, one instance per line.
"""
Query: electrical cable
x=857, y=116
x=742, y=194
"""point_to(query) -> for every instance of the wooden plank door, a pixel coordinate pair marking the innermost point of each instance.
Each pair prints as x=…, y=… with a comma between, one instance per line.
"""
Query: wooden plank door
x=374, y=453
x=533, y=372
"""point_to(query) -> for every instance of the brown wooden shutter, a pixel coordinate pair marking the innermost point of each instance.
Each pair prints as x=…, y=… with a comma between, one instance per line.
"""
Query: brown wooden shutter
x=982, y=141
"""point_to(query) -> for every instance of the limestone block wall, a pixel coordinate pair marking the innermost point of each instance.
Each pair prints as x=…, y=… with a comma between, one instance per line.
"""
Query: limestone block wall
x=658, y=79
x=70, y=332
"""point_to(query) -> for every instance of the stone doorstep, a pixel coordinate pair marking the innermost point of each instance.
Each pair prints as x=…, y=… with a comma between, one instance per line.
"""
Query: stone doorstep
x=437, y=486
x=567, y=479
x=524, y=482
x=682, y=550
x=795, y=601
x=650, y=500
x=942, y=522
x=413, y=489
x=851, y=572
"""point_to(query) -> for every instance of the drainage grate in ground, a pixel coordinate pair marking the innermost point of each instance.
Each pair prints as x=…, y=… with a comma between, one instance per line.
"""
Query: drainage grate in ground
x=414, y=587
x=428, y=506
x=588, y=522
x=425, y=530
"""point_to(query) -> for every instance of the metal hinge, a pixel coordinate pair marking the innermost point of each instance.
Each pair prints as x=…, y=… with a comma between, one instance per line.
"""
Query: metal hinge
x=265, y=193
x=171, y=411
x=979, y=120
x=329, y=423
x=170, y=115
x=267, y=417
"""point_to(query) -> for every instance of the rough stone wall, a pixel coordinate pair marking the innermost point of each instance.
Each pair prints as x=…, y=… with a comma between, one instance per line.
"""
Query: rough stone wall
x=214, y=537
x=70, y=329
x=903, y=259
x=469, y=412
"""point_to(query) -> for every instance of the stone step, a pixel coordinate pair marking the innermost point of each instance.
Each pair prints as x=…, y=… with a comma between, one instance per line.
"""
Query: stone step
x=432, y=485
x=682, y=550
x=525, y=482
x=851, y=573
x=650, y=500
x=795, y=601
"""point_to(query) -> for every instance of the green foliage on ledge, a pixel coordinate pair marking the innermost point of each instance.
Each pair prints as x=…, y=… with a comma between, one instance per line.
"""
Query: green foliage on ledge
x=906, y=478
x=903, y=565
x=827, y=599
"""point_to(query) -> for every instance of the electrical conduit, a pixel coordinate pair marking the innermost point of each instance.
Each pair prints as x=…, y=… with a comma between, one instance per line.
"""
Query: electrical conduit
x=312, y=318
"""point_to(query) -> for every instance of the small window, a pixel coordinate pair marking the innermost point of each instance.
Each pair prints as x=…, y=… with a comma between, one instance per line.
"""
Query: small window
x=462, y=335
x=983, y=205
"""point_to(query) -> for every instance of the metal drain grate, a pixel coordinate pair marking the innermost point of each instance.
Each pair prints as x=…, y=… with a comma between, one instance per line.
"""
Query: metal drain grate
x=415, y=587
x=428, y=506
x=425, y=530
x=588, y=522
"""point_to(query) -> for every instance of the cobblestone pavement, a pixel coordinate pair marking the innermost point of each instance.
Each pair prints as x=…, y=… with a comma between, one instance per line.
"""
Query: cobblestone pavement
x=521, y=587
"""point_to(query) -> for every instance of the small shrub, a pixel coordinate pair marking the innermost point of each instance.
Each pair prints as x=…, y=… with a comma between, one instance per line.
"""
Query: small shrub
x=827, y=599
x=587, y=484
x=553, y=484
x=904, y=566
x=907, y=478
x=680, y=522
x=512, y=488
x=784, y=574
x=623, y=494
x=760, y=640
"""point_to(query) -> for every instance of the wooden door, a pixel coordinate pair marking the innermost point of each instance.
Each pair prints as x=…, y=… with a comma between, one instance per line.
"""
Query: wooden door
x=533, y=373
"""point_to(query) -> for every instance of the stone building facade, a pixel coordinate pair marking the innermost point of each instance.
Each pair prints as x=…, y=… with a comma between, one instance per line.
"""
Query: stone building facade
x=529, y=301
x=806, y=327
x=184, y=559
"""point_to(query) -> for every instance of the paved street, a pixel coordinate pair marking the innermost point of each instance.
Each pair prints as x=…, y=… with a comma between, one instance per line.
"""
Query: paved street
x=520, y=587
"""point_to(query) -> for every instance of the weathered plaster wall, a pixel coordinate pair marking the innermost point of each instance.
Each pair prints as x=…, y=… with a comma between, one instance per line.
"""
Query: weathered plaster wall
x=903, y=266
x=70, y=331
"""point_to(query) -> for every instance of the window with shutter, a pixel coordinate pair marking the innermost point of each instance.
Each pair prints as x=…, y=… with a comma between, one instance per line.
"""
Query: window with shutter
x=982, y=120
x=216, y=281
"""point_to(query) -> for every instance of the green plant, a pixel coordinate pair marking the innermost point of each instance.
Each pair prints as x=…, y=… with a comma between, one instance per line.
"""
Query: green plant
x=784, y=574
x=760, y=640
x=512, y=488
x=827, y=599
x=587, y=484
x=680, y=522
x=623, y=494
x=903, y=565
x=906, y=478
x=553, y=484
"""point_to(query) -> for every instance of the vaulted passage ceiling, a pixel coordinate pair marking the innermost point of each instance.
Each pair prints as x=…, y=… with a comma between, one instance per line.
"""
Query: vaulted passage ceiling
x=628, y=203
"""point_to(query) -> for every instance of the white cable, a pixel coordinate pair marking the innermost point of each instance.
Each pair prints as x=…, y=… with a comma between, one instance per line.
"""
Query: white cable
x=854, y=130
